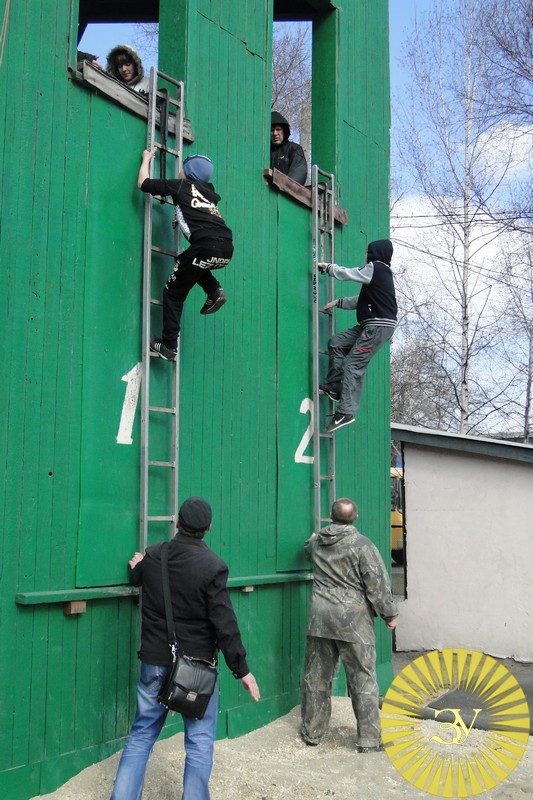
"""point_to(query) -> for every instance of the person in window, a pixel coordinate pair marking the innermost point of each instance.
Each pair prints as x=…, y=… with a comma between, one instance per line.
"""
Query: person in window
x=286, y=156
x=124, y=64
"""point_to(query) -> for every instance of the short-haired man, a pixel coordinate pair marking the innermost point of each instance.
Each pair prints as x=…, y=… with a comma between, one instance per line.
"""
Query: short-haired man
x=204, y=622
x=286, y=156
x=350, y=587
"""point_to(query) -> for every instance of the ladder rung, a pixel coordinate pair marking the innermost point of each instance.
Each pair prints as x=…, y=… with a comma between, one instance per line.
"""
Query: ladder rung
x=172, y=101
x=326, y=434
x=162, y=200
x=161, y=519
x=164, y=251
x=155, y=302
x=171, y=150
x=327, y=477
x=162, y=410
x=162, y=464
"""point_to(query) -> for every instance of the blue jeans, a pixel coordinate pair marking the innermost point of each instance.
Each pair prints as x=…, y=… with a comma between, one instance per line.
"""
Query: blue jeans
x=149, y=720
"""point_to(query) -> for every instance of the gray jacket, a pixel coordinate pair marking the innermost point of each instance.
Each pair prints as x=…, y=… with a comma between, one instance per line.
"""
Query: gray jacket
x=350, y=587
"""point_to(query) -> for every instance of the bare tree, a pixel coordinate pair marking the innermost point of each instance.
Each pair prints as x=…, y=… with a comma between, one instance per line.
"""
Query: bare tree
x=147, y=38
x=451, y=145
x=517, y=258
x=505, y=35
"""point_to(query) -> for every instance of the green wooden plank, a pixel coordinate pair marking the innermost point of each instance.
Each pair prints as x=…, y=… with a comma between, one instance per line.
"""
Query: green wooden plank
x=295, y=473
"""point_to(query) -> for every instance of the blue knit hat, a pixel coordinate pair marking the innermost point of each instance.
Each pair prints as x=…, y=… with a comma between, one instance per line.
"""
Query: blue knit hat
x=198, y=168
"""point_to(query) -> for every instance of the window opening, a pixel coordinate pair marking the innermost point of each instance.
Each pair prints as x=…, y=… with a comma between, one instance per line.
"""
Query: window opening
x=100, y=38
x=291, y=81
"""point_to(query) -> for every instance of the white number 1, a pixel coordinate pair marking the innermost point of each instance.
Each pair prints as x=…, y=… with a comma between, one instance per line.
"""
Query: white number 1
x=306, y=406
x=129, y=406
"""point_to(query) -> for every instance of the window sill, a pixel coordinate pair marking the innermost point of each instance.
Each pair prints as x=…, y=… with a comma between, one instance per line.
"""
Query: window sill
x=298, y=192
x=106, y=85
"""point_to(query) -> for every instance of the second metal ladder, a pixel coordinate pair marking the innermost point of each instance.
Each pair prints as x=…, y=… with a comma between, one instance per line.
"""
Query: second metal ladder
x=160, y=381
x=323, y=203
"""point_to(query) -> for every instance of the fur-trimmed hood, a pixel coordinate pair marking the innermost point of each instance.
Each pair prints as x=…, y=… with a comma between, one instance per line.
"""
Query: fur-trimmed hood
x=112, y=66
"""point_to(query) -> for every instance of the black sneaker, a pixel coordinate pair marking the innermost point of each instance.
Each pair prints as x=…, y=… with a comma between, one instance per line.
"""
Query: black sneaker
x=215, y=302
x=331, y=393
x=339, y=421
x=377, y=749
x=157, y=346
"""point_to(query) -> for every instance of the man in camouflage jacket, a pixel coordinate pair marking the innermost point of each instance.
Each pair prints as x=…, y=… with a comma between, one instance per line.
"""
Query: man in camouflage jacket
x=351, y=586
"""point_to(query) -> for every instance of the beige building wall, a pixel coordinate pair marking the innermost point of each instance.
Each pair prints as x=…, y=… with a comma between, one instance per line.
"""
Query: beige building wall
x=469, y=523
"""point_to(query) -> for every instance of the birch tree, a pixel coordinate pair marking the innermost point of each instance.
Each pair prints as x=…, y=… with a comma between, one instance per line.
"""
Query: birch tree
x=461, y=165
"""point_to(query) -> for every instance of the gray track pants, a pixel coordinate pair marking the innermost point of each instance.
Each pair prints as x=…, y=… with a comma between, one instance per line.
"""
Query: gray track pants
x=349, y=355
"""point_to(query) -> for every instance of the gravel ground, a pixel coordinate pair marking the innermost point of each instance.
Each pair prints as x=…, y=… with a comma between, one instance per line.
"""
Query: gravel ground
x=272, y=763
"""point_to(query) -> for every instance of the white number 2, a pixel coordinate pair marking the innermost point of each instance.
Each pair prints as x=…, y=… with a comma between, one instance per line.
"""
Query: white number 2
x=129, y=406
x=306, y=406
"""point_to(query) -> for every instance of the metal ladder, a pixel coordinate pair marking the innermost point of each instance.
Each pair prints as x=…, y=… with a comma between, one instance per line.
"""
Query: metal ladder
x=323, y=205
x=160, y=379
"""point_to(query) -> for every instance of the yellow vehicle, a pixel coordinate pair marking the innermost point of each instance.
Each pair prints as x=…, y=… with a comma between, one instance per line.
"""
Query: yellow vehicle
x=396, y=514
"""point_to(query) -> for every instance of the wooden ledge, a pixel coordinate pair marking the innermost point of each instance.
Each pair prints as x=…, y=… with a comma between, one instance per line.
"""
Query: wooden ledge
x=104, y=84
x=300, y=193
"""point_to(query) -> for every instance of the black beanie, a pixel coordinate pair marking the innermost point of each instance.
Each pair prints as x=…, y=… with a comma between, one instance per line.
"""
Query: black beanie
x=194, y=516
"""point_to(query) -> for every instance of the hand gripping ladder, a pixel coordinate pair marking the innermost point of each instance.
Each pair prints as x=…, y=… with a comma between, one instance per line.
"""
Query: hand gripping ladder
x=160, y=379
x=323, y=202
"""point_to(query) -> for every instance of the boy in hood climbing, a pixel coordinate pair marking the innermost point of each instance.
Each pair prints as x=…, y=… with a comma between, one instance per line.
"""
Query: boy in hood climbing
x=210, y=243
x=124, y=64
x=285, y=156
x=377, y=314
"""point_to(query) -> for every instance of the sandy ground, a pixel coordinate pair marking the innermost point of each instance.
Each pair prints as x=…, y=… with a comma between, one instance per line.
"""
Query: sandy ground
x=272, y=763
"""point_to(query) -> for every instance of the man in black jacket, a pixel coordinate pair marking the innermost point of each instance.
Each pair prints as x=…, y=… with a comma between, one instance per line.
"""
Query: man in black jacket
x=285, y=156
x=377, y=314
x=205, y=622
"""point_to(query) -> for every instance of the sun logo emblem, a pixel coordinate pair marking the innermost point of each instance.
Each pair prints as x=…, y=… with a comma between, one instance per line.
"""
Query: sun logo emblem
x=483, y=722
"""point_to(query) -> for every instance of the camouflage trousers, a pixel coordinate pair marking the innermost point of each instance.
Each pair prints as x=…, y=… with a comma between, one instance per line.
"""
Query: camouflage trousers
x=321, y=661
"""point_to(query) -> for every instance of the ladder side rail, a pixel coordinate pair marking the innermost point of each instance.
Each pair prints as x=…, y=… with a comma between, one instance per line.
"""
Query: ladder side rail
x=323, y=204
x=180, y=105
x=316, y=347
x=330, y=217
x=147, y=273
x=327, y=441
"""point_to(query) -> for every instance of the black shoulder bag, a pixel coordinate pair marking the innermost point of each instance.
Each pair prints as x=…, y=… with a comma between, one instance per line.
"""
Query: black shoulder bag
x=190, y=682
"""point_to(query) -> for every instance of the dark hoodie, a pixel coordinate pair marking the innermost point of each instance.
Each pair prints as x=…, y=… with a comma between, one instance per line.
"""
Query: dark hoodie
x=196, y=207
x=139, y=83
x=287, y=157
x=376, y=302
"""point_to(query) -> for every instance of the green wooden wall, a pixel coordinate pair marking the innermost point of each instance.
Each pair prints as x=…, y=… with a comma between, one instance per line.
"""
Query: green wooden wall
x=70, y=244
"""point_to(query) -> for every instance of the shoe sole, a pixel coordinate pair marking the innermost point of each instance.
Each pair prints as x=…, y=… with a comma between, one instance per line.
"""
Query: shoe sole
x=219, y=302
